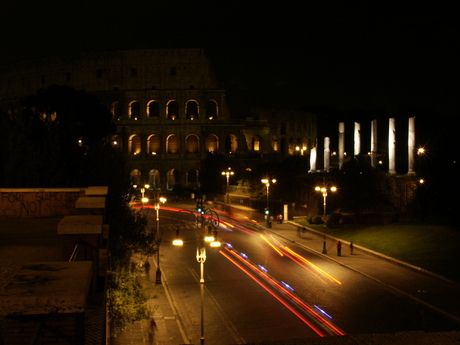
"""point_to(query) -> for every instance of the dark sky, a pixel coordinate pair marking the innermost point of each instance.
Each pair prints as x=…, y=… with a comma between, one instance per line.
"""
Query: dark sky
x=350, y=55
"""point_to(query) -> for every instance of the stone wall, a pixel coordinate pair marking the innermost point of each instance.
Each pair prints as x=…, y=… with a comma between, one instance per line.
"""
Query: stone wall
x=39, y=202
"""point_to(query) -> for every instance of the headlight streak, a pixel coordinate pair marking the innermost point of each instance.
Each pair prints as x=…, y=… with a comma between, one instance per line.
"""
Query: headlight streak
x=300, y=257
x=271, y=245
x=295, y=312
x=300, y=260
x=322, y=311
x=293, y=298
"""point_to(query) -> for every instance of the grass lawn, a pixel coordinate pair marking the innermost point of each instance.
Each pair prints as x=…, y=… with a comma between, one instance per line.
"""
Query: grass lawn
x=435, y=248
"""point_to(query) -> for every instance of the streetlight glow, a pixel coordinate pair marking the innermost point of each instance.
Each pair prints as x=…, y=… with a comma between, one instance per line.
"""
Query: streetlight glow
x=227, y=173
x=267, y=209
x=324, y=190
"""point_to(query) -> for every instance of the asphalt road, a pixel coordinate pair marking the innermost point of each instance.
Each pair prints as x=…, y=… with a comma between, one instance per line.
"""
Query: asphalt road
x=263, y=287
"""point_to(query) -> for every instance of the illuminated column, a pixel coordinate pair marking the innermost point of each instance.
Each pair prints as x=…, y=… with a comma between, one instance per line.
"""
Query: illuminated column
x=374, y=149
x=411, y=147
x=341, y=143
x=357, y=139
x=327, y=154
x=391, y=146
x=312, y=160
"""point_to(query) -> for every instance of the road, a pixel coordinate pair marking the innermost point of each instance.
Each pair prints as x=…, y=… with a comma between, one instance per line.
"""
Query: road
x=260, y=286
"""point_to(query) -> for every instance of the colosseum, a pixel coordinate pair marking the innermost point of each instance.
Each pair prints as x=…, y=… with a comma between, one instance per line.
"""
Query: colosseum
x=170, y=111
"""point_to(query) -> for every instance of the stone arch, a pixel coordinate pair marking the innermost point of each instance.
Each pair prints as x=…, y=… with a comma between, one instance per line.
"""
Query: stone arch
x=154, y=179
x=136, y=177
x=172, y=179
x=172, y=144
x=192, y=144
x=134, y=110
x=212, y=143
x=134, y=144
x=153, y=109
x=256, y=143
x=211, y=109
x=116, y=142
x=153, y=144
x=172, y=110
x=275, y=143
x=115, y=109
x=231, y=144
x=291, y=146
x=192, y=110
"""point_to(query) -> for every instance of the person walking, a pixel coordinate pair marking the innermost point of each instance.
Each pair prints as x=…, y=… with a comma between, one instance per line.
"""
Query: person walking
x=339, y=248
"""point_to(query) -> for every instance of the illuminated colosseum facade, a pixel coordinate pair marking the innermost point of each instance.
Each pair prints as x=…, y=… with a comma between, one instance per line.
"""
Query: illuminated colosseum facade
x=170, y=111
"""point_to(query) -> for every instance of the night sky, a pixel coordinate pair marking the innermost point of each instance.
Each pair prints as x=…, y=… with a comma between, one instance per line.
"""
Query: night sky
x=355, y=57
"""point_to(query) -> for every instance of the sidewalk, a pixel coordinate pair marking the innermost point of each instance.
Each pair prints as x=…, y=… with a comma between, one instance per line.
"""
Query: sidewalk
x=166, y=329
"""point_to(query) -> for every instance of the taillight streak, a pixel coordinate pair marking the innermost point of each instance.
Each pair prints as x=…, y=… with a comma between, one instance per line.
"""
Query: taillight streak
x=279, y=299
x=283, y=289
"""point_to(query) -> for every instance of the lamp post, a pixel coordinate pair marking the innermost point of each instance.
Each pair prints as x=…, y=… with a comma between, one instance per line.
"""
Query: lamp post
x=227, y=173
x=209, y=219
x=267, y=210
x=324, y=191
x=160, y=200
x=143, y=198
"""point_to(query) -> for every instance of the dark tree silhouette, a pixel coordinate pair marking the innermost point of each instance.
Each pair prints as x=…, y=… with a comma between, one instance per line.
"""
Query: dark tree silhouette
x=53, y=140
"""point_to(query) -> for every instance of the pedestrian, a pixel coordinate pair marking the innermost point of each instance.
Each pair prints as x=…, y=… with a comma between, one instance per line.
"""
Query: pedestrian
x=339, y=248
x=351, y=248
x=280, y=218
x=147, y=268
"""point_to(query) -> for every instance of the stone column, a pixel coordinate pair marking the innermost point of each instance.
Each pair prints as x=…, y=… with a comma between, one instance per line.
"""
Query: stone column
x=411, y=147
x=392, y=147
x=374, y=145
x=357, y=149
x=312, y=160
x=327, y=154
x=341, y=143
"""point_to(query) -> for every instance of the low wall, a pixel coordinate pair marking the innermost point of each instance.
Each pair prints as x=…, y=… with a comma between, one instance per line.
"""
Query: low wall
x=39, y=202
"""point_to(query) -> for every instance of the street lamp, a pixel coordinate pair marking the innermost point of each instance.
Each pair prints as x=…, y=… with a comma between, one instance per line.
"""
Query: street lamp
x=209, y=219
x=227, y=173
x=160, y=200
x=267, y=209
x=324, y=191
x=143, y=198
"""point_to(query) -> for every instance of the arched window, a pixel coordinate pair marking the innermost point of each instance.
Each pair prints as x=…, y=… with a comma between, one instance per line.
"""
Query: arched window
x=154, y=179
x=192, y=178
x=274, y=143
x=172, y=179
x=231, y=144
x=153, y=144
x=134, y=146
x=153, y=110
x=256, y=143
x=291, y=146
x=172, y=110
x=136, y=177
x=134, y=110
x=115, y=109
x=191, y=110
x=211, y=110
x=212, y=143
x=172, y=144
x=192, y=144
x=116, y=143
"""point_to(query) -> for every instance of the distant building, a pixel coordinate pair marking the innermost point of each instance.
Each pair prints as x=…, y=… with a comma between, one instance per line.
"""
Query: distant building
x=170, y=111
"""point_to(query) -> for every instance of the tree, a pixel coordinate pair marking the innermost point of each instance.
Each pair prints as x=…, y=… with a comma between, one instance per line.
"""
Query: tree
x=53, y=138
x=363, y=187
